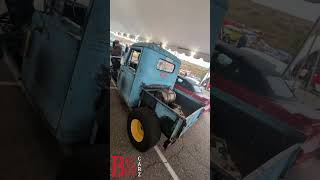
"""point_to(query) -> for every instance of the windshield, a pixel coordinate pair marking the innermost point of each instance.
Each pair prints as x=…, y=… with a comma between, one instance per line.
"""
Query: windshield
x=278, y=65
x=197, y=88
x=279, y=87
x=193, y=81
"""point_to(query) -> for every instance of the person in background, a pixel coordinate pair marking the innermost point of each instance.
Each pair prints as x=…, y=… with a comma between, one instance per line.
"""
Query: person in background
x=127, y=49
x=116, y=54
x=116, y=49
x=242, y=41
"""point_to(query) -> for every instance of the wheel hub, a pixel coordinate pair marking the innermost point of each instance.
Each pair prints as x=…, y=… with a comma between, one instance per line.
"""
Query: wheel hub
x=137, y=130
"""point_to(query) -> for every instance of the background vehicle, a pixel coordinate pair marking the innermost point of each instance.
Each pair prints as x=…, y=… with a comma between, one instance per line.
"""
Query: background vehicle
x=231, y=34
x=278, y=66
x=258, y=116
x=195, y=80
x=146, y=82
x=190, y=87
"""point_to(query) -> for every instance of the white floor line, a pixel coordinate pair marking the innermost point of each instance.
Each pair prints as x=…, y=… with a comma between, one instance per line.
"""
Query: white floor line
x=166, y=163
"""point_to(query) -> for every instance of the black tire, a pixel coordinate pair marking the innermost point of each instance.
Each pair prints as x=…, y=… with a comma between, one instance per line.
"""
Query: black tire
x=150, y=125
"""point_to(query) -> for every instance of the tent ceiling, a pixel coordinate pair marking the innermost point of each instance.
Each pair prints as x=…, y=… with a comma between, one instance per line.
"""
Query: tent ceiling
x=183, y=23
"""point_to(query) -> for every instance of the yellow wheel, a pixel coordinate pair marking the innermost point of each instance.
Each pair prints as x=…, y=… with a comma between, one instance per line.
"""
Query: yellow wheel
x=137, y=130
x=143, y=128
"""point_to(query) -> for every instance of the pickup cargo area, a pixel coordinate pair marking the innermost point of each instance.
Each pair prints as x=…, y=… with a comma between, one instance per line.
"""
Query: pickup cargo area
x=250, y=142
x=188, y=104
x=176, y=101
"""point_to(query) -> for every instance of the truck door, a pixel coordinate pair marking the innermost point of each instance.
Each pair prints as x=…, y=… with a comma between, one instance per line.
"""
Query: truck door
x=127, y=74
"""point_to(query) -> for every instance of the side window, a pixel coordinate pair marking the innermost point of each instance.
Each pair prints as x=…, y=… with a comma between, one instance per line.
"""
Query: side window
x=74, y=13
x=74, y=10
x=134, y=58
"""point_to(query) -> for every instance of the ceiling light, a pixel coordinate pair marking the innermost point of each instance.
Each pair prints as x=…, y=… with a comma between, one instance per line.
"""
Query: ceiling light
x=193, y=53
x=164, y=44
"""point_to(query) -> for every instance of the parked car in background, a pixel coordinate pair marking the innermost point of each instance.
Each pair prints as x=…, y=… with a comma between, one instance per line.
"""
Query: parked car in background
x=255, y=110
x=191, y=87
x=277, y=65
x=193, y=80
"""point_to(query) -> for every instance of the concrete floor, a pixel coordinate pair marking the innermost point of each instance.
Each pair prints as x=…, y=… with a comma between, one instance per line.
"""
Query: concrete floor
x=28, y=151
x=189, y=157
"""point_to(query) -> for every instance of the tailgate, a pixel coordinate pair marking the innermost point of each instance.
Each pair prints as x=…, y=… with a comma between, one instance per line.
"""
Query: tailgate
x=191, y=119
x=277, y=167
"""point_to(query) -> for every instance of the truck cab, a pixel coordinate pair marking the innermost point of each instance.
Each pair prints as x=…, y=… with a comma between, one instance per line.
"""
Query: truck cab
x=146, y=64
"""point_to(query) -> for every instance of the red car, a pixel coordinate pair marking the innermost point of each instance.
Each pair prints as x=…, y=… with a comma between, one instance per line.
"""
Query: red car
x=256, y=110
x=192, y=88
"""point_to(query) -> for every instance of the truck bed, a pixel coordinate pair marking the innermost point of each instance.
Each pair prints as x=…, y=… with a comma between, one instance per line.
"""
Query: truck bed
x=188, y=105
x=251, y=141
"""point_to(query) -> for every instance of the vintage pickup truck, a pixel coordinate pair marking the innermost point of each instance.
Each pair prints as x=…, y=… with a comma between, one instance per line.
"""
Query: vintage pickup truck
x=146, y=83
